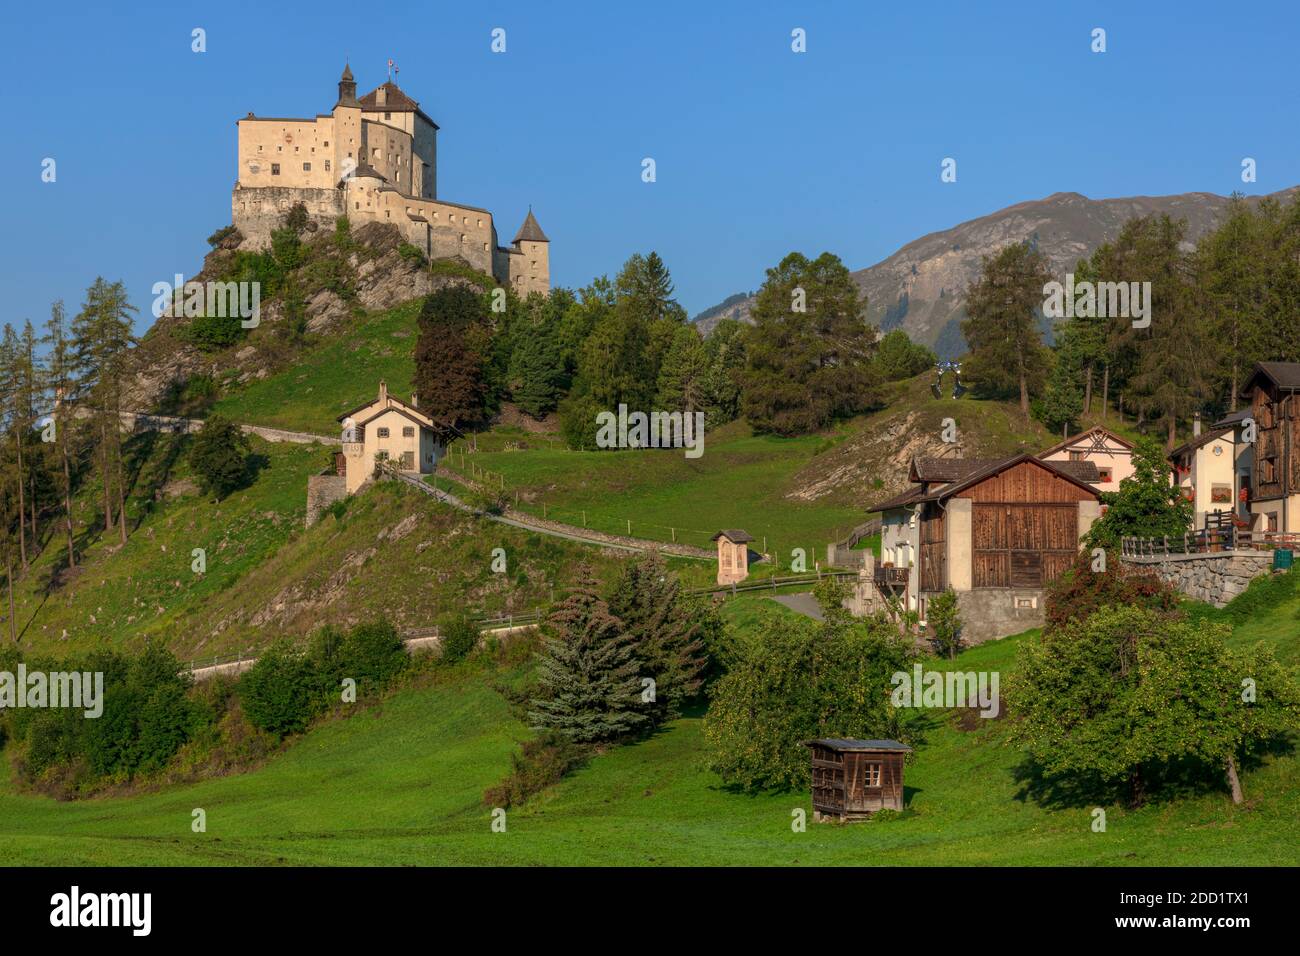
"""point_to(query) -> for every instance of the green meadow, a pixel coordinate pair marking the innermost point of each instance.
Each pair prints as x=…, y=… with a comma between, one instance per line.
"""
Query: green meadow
x=400, y=783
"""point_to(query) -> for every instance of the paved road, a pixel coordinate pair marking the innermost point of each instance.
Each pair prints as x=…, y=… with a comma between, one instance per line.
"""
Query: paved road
x=802, y=603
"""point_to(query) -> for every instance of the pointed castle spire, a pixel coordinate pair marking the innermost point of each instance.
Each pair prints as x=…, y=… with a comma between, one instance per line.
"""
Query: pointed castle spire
x=530, y=231
x=347, y=88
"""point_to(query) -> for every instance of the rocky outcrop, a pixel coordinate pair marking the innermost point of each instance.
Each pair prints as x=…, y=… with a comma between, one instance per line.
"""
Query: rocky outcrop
x=340, y=283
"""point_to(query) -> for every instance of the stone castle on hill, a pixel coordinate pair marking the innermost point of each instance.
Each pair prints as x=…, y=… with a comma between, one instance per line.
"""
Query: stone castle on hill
x=374, y=159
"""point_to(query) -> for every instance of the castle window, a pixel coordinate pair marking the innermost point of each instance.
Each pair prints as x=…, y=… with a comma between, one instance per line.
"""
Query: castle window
x=327, y=142
x=388, y=116
x=408, y=431
x=306, y=167
x=259, y=149
x=275, y=169
x=279, y=149
x=327, y=165
x=383, y=433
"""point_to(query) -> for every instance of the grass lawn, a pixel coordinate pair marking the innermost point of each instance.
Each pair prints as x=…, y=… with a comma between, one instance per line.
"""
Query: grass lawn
x=401, y=784
x=742, y=481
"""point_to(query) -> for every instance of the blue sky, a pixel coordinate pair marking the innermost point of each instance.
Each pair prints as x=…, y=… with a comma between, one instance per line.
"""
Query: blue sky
x=759, y=150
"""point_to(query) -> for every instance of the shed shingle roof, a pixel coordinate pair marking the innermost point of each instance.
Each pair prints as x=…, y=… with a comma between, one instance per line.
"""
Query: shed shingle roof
x=847, y=743
x=735, y=535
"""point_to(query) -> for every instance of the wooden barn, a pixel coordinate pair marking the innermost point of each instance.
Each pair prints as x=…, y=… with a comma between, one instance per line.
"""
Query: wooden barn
x=1273, y=391
x=995, y=532
x=852, y=779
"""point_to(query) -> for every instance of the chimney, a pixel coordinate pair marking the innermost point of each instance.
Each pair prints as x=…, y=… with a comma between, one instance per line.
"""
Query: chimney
x=383, y=392
x=415, y=400
x=1196, y=425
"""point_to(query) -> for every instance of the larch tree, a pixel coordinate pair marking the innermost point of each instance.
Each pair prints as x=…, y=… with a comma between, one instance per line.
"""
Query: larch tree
x=59, y=372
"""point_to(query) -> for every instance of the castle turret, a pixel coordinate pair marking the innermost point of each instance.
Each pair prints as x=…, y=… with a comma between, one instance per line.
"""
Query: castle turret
x=349, y=134
x=530, y=259
x=347, y=88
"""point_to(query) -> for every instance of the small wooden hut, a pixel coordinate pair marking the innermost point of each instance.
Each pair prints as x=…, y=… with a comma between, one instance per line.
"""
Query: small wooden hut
x=852, y=779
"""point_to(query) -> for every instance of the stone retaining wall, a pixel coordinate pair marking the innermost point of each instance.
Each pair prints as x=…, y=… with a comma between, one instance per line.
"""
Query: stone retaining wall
x=1215, y=578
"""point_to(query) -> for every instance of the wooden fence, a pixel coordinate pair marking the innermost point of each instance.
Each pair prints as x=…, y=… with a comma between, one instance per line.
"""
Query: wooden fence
x=1208, y=541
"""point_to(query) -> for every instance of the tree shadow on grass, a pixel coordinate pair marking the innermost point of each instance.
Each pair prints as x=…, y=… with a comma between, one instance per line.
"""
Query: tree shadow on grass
x=1162, y=783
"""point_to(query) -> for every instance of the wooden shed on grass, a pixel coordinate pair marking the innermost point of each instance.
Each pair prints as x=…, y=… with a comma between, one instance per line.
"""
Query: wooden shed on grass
x=852, y=779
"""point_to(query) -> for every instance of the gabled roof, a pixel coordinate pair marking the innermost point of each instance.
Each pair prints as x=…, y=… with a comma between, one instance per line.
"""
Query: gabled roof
x=901, y=500
x=946, y=469
x=530, y=231
x=1205, y=439
x=1086, y=433
x=1283, y=375
x=734, y=535
x=1233, y=419
x=971, y=471
x=395, y=101
x=848, y=744
x=394, y=403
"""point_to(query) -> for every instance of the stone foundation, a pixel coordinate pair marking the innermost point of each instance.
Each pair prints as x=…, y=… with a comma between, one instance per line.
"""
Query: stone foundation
x=1215, y=578
x=323, y=491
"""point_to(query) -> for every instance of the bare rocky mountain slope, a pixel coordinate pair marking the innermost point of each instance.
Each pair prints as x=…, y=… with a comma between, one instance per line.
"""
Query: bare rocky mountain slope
x=921, y=287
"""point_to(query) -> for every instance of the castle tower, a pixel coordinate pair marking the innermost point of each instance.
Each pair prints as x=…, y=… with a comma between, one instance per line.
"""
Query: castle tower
x=530, y=261
x=349, y=141
x=347, y=87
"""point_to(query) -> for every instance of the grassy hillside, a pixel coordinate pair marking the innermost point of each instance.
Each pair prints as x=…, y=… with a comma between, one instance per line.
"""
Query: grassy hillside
x=334, y=377
x=793, y=492
x=400, y=784
x=392, y=551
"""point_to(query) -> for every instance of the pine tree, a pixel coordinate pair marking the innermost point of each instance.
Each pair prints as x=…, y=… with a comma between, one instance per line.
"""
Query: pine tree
x=1062, y=401
x=681, y=375
x=666, y=629
x=1006, y=347
x=536, y=367
x=809, y=353
x=588, y=684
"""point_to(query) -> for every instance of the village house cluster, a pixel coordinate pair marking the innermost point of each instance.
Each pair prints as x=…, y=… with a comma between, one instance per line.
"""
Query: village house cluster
x=998, y=532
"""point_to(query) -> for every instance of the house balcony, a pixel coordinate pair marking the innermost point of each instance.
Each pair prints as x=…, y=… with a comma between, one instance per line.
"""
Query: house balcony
x=891, y=577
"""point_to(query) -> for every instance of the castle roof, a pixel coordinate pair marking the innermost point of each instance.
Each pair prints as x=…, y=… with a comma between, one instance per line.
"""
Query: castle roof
x=395, y=101
x=347, y=72
x=530, y=231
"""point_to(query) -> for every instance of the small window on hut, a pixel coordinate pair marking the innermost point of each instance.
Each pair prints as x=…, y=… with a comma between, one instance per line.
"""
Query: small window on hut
x=871, y=775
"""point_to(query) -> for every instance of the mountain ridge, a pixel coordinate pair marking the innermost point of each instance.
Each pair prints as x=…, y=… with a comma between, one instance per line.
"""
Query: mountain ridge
x=921, y=287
